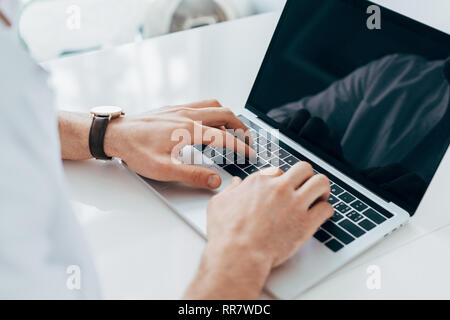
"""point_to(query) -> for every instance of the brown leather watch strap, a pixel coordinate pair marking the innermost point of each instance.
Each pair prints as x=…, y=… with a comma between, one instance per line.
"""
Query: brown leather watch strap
x=97, y=137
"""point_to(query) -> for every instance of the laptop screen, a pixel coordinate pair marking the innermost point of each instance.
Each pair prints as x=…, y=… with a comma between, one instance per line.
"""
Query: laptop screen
x=367, y=92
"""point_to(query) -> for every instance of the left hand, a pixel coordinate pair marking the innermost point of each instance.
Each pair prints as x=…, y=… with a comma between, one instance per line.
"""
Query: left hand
x=145, y=142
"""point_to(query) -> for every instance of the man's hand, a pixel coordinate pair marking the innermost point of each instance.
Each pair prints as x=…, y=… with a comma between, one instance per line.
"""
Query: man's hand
x=147, y=145
x=270, y=217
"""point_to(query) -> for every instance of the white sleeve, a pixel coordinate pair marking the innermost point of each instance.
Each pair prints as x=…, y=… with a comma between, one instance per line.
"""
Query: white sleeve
x=40, y=239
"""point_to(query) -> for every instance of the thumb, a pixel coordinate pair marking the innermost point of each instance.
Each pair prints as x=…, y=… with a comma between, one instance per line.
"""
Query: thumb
x=197, y=176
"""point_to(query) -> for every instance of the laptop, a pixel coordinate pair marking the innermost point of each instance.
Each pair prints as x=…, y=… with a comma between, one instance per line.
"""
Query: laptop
x=361, y=93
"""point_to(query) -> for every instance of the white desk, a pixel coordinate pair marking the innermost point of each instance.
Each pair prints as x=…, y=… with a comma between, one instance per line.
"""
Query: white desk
x=141, y=248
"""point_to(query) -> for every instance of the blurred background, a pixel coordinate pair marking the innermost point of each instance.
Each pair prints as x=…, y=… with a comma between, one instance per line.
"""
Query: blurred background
x=54, y=28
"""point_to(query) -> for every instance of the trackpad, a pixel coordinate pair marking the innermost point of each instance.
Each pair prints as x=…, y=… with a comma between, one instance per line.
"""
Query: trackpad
x=189, y=202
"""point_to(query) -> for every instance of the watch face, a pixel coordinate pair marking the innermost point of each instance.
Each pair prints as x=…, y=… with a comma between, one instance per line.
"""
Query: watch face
x=106, y=111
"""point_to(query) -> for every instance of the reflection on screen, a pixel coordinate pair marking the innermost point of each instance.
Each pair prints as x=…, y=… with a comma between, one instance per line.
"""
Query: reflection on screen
x=375, y=100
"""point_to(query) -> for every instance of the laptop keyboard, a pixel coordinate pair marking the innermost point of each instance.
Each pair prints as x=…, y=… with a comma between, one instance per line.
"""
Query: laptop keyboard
x=352, y=217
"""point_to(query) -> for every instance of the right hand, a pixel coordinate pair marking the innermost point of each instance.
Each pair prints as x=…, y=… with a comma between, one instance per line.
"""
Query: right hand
x=271, y=214
x=255, y=225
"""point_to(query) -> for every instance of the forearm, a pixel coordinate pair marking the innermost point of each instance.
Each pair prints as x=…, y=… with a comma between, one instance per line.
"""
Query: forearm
x=227, y=273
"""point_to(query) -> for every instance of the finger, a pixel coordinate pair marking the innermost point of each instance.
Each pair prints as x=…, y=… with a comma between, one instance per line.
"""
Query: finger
x=315, y=189
x=215, y=117
x=196, y=176
x=193, y=106
x=224, y=139
x=212, y=103
x=298, y=174
x=218, y=117
x=318, y=214
x=272, y=171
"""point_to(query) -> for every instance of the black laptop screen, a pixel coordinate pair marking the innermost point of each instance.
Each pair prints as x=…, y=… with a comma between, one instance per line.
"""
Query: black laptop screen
x=373, y=102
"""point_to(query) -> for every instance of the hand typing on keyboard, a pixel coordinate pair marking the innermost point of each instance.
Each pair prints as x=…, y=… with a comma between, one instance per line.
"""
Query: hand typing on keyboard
x=147, y=145
x=271, y=215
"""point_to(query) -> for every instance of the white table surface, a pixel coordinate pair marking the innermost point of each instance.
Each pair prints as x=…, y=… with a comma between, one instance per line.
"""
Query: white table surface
x=140, y=247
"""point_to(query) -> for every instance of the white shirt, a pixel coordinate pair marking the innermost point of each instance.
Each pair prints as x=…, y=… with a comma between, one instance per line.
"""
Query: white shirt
x=40, y=239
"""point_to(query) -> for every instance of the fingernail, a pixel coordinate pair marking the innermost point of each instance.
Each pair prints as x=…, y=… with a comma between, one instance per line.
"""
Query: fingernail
x=236, y=180
x=214, y=181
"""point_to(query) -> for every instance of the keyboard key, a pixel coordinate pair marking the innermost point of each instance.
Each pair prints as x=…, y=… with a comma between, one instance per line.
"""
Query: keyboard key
x=322, y=236
x=366, y=224
x=265, y=155
x=238, y=160
x=253, y=134
x=262, y=139
x=235, y=171
x=347, y=197
x=285, y=168
x=259, y=147
x=352, y=228
x=229, y=155
x=334, y=245
x=272, y=147
x=282, y=153
x=337, y=232
x=222, y=151
x=336, y=216
x=374, y=216
x=354, y=216
x=387, y=214
x=250, y=124
x=291, y=160
x=209, y=152
x=242, y=165
x=336, y=190
x=199, y=147
x=251, y=170
x=229, y=158
x=332, y=199
x=258, y=163
x=358, y=205
x=265, y=166
x=342, y=208
x=219, y=160
x=277, y=162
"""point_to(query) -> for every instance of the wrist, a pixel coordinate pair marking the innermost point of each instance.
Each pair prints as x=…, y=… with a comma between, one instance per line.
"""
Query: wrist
x=112, y=143
x=230, y=271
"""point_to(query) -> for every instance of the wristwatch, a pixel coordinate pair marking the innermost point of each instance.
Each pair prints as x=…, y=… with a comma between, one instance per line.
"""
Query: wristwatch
x=101, y=116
